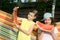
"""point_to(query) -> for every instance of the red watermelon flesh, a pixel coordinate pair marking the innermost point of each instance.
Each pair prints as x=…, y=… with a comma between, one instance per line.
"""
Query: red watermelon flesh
x=44, y=26
x=15, y=18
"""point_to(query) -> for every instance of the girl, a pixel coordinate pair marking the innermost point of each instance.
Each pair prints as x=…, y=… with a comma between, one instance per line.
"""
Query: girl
x=48, y=34
x=27, y=25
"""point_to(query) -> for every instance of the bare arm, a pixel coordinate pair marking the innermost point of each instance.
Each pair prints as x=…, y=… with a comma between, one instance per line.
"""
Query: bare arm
x=54, y=34
x=26, y=31
x=15, y=12
x=41, y=35
x=19, y=18
x=55, y=37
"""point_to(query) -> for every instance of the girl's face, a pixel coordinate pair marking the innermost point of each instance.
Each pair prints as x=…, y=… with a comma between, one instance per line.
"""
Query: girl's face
x=31, y=16
x=48, y=21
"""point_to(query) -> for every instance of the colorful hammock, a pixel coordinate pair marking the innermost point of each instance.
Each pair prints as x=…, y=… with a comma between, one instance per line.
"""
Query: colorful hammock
x=6, y=24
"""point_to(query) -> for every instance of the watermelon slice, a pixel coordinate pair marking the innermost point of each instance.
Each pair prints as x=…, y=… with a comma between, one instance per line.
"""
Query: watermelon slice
x=15, y=18
x=44, y=26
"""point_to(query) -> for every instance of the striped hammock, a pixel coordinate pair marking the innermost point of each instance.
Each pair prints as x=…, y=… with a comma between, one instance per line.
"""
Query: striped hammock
x=6, y=24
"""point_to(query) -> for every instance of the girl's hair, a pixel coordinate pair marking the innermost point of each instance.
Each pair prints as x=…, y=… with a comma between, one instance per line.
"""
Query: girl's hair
x=52, y=21
x=34, y=11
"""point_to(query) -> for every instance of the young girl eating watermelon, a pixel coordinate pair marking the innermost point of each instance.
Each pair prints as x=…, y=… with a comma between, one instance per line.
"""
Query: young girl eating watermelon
x=27, y=25
x=49, y=32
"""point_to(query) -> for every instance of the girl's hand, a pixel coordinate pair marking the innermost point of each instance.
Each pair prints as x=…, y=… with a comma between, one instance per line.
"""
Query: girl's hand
x=37, y=22
x=52, y=31
x=17, y=26
x=16, y=8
